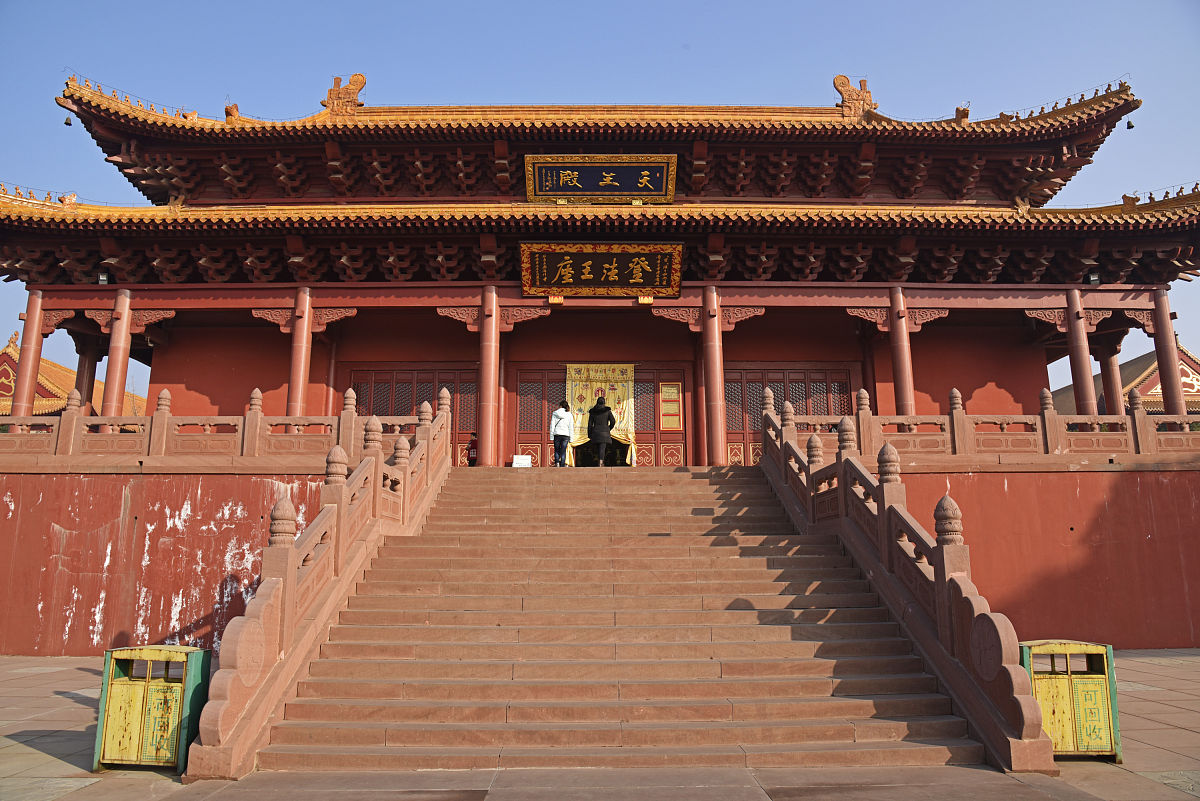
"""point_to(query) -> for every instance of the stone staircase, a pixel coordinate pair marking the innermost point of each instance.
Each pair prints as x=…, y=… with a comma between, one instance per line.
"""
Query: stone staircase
x=614, y=617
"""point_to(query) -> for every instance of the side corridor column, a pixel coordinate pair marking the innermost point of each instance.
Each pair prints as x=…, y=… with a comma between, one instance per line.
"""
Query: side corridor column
x=902, y=369
x=489, y=378
x=1077, y=352
x=30, y=360
x=714, y=377
x=85, y=371
x=1110, y=379
x=119, y=340
x=301, y=352
x=1165, y=351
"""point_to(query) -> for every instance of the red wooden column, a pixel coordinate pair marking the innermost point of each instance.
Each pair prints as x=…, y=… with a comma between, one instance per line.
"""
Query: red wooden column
x=700, y=427
x=489, y=378
x=85, y=370
x=714, y=377
x=119, y=340
x=902, y=368
x=301, y=352
x=1165, y=351
x=1110, y=377
x=30, y=360
x=1077, y=352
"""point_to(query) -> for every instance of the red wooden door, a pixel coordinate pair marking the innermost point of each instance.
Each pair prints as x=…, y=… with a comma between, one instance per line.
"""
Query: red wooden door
x=387, y=390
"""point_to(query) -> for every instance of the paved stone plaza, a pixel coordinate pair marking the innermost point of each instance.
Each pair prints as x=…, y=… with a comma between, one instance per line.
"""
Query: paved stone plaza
x=48, y=719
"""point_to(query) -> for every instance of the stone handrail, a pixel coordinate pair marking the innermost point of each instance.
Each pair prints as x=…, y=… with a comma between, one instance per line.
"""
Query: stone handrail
x=73, y=435
x=1012, y=436
x=305, y=580
x=925, y=581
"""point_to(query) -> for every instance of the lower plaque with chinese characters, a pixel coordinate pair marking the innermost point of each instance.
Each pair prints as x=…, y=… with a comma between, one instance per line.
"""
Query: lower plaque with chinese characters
x=601, y=270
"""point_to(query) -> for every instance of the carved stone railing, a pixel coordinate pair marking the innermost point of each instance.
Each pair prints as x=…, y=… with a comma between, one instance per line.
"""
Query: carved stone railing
x=75, y=437
x=1011, y=436
x=306, y=579
x=925, y=581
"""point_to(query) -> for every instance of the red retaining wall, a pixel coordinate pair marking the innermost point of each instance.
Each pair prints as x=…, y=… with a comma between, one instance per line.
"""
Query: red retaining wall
x=101, y=561
x=1110, y=557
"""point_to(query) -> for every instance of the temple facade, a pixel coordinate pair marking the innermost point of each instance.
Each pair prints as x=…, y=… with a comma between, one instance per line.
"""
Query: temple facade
x=394, y=251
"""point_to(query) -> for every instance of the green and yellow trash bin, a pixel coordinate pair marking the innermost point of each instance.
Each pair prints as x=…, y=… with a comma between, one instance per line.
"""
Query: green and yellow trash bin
x=1076, y=687
x=150, y=702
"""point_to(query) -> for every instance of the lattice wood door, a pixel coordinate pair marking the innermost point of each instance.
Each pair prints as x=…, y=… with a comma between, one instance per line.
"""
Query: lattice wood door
x=387, y=391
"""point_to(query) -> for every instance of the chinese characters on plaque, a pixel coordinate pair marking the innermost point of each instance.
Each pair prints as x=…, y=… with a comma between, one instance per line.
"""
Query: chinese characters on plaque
x=615, y=270
x=601, y=179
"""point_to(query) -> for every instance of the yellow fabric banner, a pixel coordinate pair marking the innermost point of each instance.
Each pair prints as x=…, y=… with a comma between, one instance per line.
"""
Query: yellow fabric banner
x=585, y=383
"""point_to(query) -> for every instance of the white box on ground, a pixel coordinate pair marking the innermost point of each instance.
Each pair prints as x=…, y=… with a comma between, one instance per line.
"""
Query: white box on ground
x=522, y=460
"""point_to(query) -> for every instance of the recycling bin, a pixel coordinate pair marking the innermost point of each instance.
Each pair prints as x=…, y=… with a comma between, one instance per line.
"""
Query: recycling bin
x=1076, y=687
x=150, y=702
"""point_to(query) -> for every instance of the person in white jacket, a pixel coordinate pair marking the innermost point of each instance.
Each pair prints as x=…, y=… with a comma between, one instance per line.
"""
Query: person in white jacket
x=562, y=426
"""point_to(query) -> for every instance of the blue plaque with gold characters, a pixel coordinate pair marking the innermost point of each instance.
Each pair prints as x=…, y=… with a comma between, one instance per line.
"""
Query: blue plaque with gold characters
x=595, y=178
x=601, y=269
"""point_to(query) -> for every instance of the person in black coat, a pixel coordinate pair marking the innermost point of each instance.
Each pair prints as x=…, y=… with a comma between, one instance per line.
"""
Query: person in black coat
x=600, y=426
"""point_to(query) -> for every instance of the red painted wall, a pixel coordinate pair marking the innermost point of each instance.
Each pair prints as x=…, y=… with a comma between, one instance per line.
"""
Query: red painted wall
x=103, y=561
x=1110, y=557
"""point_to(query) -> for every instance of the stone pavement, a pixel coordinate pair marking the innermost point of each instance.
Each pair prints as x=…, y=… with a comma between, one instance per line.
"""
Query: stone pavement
x=48, y=719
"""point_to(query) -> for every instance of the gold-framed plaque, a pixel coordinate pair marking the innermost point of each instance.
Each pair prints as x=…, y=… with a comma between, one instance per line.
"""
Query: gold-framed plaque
x=601, y=269
x=598, y=178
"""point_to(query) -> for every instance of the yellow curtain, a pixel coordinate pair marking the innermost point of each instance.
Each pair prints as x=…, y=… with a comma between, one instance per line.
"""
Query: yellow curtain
x=585, y=383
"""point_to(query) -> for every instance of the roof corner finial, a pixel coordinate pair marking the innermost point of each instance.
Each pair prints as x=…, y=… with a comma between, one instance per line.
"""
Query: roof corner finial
x=855, y=102
x=1128, y=202
x=12, y=341
x=231, y=112
x=344, y=99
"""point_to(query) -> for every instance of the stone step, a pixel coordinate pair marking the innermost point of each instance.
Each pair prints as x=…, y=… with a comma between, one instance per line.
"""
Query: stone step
x=653, y=546
x=452, y=561
x=591, y=635
x=485, y=575
x=384, y=758
x=613, y=690
x=817, y=599
x=614, y=734
x=737, y=709
x=774, y=617
x=530, y=589
x=590, y=652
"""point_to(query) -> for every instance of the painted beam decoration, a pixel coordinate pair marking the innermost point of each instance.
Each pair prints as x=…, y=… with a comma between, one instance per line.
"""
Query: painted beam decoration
x=601, y=269
x=601, y=178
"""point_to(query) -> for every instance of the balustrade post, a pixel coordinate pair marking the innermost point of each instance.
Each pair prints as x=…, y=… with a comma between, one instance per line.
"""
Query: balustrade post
x=864, y=421
x=333, y=491
x=815, y=461
x=891, y=494
x=252, y=427
x=400, y=459
x=160, y=423
x=373, y=448
x=952, y=558
x=962, y=431
x=347, y=433
x=68, y=426
x=847, y=449
x=787, y=435
x=279, y=562
x=1141, y=426
x=425, y=435
x=443, y=412
x=1052, y=435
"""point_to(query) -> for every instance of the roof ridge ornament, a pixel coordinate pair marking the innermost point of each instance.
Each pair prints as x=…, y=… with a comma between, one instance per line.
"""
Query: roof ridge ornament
x=855, y=102
x=343, y=100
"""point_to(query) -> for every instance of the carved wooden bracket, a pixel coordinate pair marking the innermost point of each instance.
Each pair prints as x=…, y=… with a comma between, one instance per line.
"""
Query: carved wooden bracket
x=464, y=314
x=281, y=317
x=680, y=314
x=512, y=315
x=144, y=317
x=103, y=318
x=874, y=314
x=1056, y=317
x=323, y=317
x=53, y=319
x=918, y=317
x=1144, y=318
x=732, y=315
x=1092, y=318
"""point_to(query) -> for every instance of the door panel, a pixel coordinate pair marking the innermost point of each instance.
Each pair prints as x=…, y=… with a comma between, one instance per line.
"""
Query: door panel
x=387, y=390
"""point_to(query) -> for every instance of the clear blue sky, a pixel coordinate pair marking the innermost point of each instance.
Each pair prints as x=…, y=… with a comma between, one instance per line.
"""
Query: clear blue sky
x=276, y=60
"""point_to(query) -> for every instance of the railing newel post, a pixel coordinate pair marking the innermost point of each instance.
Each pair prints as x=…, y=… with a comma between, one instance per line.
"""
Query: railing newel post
x=160, y=423
x=951, y=558
x=347, y=434
x=962, y=430
x=1141, y=426
x=1052, y=435
x=891, y=495
x=252, y=428
x=279, y=562
x=864, y=423
x=68, y=426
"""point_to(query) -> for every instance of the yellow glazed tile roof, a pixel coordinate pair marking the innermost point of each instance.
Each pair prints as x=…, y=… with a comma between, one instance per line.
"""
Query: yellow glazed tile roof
x=345, y=113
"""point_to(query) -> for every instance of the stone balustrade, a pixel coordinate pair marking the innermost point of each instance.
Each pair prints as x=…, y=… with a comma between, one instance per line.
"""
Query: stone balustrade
x=924, y=580
x=77, y=439
x=306, y=577
x=1009, y=438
